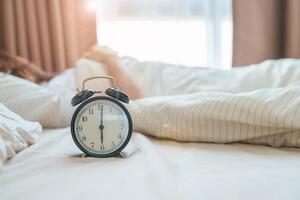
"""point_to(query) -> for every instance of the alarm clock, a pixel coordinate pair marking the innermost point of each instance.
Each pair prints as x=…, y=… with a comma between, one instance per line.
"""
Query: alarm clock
x=101, y=126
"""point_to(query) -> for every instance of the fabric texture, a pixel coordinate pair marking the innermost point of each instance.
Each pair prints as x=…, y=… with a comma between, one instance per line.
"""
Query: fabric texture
x=161, y=79
x=161, y=169
x=267, y=29
x=64, y=87
x=29, y=100
x=52, y=34
x=256, y=104
x=16, y=134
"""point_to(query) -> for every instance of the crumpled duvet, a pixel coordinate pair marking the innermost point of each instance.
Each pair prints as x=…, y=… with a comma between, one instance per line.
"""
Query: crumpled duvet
x=256, y=104
x=16, y=134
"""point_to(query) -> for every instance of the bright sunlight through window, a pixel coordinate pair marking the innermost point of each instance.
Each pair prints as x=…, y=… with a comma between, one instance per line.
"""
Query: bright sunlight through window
x=191, y=32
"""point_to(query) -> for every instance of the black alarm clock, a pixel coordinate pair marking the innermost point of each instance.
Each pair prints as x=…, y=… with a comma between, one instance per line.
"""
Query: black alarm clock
x=101, y=126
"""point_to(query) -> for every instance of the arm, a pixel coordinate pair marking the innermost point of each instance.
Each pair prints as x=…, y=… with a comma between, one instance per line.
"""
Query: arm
x=114, y=68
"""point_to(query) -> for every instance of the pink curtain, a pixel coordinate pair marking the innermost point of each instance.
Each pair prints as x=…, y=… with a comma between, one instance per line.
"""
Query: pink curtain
x=51, y=33
x=265, y=29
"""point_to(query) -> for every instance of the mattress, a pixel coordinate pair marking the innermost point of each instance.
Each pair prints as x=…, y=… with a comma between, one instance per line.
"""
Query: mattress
x=160, y=169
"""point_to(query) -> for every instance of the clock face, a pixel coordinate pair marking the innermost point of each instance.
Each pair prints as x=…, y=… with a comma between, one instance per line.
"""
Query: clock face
x=101, y=127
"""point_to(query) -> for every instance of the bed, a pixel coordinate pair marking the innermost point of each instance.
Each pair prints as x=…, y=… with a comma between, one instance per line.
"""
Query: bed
x=161, y=169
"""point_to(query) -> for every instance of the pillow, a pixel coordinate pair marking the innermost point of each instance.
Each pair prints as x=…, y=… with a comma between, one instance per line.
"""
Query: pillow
x=16, y=133
x=29, y=100
x=64, y=86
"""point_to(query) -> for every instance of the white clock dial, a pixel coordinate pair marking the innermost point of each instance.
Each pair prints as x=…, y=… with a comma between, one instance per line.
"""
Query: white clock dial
x=101, y=127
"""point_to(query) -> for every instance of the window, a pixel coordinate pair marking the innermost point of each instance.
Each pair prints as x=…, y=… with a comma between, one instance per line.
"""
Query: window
x=188, y=32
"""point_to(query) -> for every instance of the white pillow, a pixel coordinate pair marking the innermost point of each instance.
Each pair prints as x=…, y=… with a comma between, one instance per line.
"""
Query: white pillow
x=29, y=100
x=64, y=86
x=16, y=133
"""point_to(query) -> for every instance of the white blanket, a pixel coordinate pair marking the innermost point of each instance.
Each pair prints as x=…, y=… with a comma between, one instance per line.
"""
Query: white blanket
x=257, y=104
x=16, y=134
x=161, y=79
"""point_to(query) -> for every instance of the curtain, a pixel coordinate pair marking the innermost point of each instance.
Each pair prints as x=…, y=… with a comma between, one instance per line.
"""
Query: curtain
x=50, y=33
x=265, y=29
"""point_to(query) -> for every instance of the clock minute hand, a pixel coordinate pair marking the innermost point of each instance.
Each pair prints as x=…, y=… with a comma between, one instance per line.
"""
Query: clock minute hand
x=101, y=116
x=101, y=125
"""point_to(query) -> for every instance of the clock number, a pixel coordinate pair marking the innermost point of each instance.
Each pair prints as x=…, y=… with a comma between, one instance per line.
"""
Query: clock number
x=83, y=139
x=122, y=126
x=113, y=146
x=91, y=111
x=92, y=143
x=102, y=148
x=110, y=109
x=100, y=107
x=79, y=128
x=120, y=136
x=84, y=118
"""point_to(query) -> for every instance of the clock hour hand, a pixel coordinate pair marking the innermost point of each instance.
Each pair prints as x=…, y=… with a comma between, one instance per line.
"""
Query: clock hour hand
x=101, y=124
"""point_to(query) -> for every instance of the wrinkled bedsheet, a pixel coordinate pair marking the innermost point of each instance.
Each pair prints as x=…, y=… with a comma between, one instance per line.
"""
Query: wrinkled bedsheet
x=54, y=169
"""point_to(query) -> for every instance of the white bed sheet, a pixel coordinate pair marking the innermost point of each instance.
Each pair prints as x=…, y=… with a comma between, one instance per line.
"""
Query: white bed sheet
x=161, y=169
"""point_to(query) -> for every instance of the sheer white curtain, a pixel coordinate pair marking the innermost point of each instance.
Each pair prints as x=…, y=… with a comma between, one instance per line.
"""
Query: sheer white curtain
x=189, y=32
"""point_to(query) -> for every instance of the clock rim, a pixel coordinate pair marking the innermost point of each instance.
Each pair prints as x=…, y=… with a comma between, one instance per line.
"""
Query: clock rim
x=84, y=150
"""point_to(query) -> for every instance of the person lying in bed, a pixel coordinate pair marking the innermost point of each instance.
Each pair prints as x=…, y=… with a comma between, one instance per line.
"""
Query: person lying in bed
x=66, y=84
x=23, y=68
x=257, y=104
